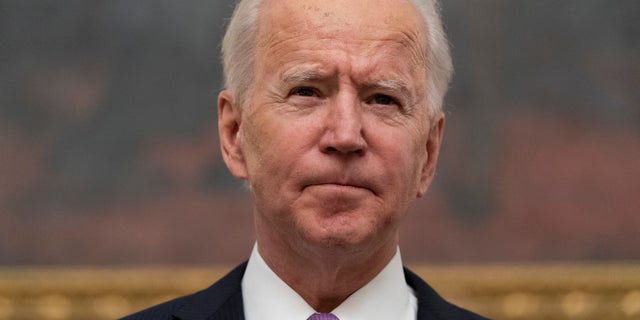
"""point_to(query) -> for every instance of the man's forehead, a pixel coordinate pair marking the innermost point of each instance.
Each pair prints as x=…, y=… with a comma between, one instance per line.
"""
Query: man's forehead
x=340, y=15
x=366, y=26
x=313, y=40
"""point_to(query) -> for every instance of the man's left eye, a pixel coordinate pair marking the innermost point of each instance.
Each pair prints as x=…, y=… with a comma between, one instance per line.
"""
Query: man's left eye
x=383, y=99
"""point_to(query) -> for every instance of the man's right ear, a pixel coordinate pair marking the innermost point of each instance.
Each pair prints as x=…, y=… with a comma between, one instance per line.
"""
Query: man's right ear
x=229, y=120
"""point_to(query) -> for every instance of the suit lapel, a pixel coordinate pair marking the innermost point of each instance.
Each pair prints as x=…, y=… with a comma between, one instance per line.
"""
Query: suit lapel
x=221, y=301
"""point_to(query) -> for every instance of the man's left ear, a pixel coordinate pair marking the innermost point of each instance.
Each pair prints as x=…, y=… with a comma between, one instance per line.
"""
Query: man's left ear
x=434, y=141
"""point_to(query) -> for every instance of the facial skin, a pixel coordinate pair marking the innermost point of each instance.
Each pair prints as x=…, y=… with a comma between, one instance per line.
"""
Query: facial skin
x=335, y=138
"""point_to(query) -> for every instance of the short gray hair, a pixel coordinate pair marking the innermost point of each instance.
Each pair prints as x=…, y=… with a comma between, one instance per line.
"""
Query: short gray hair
x=238, y=51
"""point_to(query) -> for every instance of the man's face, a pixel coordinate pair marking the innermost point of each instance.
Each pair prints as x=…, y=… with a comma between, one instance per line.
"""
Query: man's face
x=335, y=138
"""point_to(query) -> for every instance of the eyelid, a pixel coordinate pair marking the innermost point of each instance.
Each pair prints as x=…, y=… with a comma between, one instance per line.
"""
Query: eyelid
x=395, y=98
x=396, y=90
x=294, y=90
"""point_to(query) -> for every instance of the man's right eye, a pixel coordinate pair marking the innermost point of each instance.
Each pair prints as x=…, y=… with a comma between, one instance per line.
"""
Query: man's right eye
x=304, y=92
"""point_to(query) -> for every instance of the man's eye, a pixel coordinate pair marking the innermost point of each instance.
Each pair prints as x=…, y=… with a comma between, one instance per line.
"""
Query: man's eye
x=304, y=92
x=382, y=99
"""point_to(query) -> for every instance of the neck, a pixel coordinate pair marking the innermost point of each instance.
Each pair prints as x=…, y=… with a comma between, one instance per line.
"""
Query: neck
x=326, y=279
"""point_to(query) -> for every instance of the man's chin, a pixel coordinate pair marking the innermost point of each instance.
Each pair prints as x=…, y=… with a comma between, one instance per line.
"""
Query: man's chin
x=340, y=241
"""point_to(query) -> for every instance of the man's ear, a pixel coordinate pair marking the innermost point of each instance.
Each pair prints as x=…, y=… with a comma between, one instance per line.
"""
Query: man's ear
x=229, y=120
x=434, y=141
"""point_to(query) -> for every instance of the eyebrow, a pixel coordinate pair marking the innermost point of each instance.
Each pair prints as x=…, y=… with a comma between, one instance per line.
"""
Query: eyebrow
x=392, y=85
x=389, y=85
x=299, y=76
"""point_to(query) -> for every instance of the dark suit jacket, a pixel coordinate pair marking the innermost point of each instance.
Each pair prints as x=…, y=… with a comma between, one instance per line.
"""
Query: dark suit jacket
x=223, y=300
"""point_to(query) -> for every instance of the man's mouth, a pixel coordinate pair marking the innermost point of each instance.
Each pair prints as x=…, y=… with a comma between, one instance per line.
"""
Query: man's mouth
x=340, y=186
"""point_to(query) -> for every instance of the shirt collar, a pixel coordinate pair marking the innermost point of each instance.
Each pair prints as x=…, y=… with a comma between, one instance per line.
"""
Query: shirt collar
x=267, y=297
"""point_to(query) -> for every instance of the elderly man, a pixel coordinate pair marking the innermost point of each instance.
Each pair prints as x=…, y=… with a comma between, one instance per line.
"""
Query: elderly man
x=332, y=114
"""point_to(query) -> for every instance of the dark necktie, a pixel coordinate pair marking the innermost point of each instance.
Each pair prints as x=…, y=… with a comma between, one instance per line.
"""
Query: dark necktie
x=323, y=316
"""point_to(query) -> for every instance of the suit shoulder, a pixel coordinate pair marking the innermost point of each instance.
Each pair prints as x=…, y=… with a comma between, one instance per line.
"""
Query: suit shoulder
x=466, y=314
x=162, y=311
x=432, y=306
x=223, y=297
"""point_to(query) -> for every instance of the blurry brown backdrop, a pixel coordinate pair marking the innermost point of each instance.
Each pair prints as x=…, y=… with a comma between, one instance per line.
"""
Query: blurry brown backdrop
x=109, y=153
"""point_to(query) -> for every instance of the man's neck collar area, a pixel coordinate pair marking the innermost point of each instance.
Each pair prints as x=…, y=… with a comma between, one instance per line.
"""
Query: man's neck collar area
x=267, y=297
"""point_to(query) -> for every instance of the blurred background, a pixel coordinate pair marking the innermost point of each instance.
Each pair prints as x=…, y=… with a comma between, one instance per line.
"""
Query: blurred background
x=109, y=152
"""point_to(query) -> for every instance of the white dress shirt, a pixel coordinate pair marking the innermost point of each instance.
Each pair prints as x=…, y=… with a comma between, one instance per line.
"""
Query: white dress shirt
x=387, y=296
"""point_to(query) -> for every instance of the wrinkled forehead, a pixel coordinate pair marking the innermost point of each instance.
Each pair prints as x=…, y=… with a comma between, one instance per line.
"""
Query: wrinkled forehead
x=339, y=18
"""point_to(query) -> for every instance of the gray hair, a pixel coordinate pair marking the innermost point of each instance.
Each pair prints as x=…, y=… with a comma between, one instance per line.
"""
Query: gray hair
x=238, y=51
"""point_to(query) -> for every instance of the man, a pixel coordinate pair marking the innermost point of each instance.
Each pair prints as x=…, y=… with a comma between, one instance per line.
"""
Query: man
x=332, y=115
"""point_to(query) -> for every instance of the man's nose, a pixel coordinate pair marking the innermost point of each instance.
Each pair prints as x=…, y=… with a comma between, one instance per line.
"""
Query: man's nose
x=344, y=132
